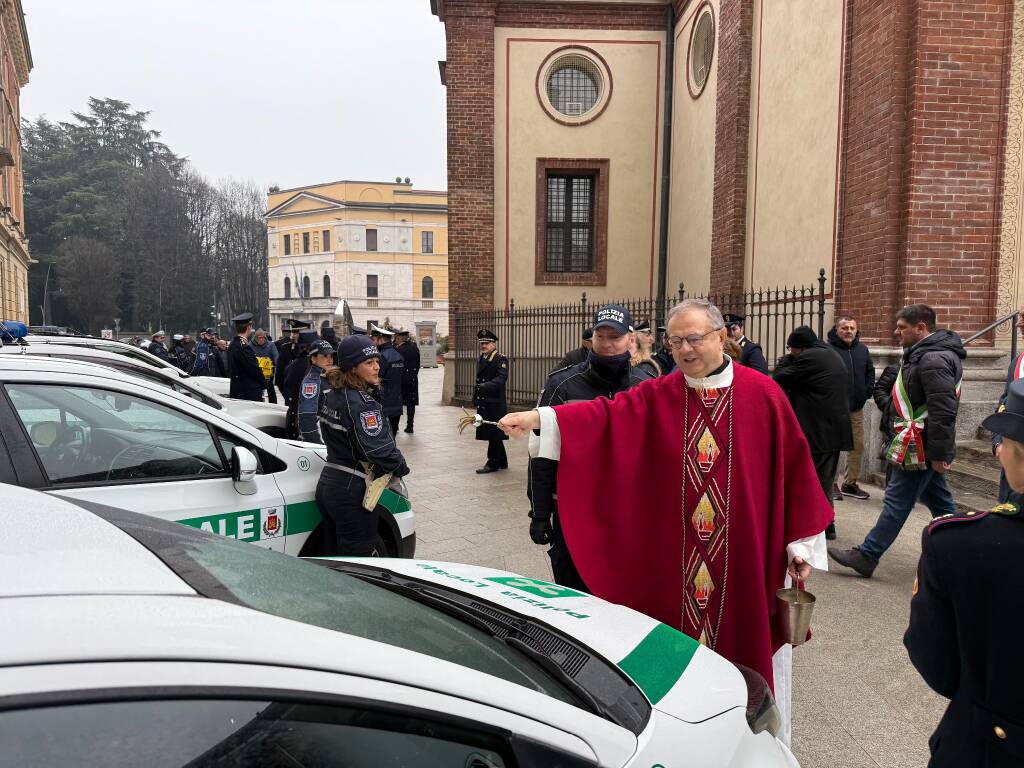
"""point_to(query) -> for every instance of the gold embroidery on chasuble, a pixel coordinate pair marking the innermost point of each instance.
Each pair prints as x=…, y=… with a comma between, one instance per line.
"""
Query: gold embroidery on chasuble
x=708, y=429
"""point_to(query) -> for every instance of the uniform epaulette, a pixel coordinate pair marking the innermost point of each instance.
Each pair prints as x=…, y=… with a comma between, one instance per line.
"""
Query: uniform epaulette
x=1008, y=509
x=955, y=517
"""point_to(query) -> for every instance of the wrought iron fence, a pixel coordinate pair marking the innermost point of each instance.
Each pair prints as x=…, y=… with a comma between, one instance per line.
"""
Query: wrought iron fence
x=535, y=338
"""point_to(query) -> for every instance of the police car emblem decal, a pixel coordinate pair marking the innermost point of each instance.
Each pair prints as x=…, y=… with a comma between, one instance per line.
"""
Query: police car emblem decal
x=303, y=463
x=373, y=422
x=273, y=522
x=309, y=389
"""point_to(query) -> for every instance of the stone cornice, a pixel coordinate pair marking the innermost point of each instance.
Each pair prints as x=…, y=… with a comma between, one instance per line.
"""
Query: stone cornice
x=17, y=36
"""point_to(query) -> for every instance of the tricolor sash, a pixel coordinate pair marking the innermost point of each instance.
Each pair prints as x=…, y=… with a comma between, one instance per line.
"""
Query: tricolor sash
x=907, y=449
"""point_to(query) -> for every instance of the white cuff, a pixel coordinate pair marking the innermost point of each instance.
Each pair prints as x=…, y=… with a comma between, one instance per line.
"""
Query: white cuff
x=812, y=550
x=549, y=444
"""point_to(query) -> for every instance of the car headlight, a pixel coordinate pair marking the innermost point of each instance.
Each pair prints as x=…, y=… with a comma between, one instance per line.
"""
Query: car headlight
x=762, y=712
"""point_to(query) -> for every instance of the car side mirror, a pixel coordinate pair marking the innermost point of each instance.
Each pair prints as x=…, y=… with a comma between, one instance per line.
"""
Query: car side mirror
x=244, y=467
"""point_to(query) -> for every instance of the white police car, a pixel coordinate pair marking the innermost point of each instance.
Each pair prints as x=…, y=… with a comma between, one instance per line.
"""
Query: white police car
x=214, y=384
x=128, y=641
x=84, y=431
x=266, y=417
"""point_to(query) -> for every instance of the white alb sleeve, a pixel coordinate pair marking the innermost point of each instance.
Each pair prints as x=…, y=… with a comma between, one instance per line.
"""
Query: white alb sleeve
x=550, y=441
x=812, y=549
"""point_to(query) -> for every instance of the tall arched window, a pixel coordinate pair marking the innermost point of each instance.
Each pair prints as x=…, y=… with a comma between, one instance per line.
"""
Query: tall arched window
x=287, y=288
x=428, y=288
x=305, y=287
x=327, y=286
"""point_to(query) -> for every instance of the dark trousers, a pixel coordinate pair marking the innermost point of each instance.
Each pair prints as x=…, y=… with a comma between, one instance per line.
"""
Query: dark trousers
x=393, y=421
x=562, y=566
x=271, y=392
x=410, y=415
x=825, y=466
x=351, y=529
x=496, y=457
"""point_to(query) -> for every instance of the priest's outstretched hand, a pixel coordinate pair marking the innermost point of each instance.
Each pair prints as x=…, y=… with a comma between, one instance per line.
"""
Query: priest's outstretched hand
x=799, y=569
x=519, y=424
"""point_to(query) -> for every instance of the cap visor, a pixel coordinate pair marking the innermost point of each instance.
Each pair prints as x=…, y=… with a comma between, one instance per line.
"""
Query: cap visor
x=1007, y=424
x=617, y=327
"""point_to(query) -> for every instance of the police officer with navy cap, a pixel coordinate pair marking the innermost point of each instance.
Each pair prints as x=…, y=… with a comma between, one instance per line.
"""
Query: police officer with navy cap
x=966, y=632
x=289, y=351
x=359, y=442
x=489, y=398
x=751, y=354
x=247, y=379
x=311, y=392
x=604, y=373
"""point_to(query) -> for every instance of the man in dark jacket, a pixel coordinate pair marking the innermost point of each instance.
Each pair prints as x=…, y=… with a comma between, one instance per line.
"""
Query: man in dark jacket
x=410, y=376
x=663, y=356
x=751, y=354
x=964, y=638
x=489, y=399
x=860, y=369
x=604, y=373
x=247, y=379
x=156, y=346
x=814, y=378
x=578, y=355
x=288, y=351
x=392, y=367
x=925, y=399
x=1014, y=372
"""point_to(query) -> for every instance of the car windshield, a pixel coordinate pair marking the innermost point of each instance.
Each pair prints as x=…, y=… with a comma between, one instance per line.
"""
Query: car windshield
x=291, y=588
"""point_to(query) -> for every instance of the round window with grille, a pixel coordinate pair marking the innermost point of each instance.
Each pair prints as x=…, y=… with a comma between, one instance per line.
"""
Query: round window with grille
x=702, y=49
x=574, y=85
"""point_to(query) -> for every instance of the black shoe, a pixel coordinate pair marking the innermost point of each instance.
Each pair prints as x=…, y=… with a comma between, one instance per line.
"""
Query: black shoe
x=486, y=469
x=855, y=559
x=830, y=532
x=837, y=495
x=408, y=430
x=852, y=489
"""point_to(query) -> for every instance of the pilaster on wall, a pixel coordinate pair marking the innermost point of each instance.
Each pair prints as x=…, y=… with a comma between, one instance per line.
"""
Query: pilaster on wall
x=470, y=77
x=732, y=130
x=925, y=121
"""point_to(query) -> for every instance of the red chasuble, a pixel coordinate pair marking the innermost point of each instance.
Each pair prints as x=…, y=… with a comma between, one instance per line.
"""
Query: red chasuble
x=679, y=503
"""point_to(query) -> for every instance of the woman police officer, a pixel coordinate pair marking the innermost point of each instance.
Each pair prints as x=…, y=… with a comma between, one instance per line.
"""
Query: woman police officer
x=358, y=438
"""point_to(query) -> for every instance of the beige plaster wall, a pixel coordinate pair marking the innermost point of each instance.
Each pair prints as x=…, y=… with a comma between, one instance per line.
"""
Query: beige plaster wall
x=626, y=133
x=1010, y=290
x=693, y=164
x=796, y=80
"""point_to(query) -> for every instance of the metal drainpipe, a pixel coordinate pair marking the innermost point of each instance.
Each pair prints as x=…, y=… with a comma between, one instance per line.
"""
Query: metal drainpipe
x=666, y=159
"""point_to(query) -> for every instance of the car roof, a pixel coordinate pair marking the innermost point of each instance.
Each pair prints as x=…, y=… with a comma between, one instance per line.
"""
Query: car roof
x=63, y=549
x=92, y=341
x=99, y=353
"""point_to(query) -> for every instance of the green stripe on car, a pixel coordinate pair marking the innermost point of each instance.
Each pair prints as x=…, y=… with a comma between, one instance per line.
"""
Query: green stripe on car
x=657, y=663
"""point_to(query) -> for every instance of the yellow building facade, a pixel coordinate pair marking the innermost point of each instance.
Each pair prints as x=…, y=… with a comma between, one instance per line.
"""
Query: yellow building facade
x=15, y=65
x=380, y=247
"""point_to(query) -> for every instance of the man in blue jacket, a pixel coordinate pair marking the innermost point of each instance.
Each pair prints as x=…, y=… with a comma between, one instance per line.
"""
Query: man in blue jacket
x=860, y=368
x=392, y=366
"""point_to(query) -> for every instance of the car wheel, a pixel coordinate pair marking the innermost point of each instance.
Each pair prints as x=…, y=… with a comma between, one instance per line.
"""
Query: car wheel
x=381, y=548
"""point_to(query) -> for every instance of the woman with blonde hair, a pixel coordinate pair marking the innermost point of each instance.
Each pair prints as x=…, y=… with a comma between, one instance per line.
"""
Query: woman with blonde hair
x=641, y=346
x=360, y=447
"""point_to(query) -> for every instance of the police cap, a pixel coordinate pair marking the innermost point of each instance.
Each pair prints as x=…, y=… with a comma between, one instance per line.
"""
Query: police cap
x=1008, y=421
x=245, y=317
x=731, y=320
x=320, y=347
x=614, y=316
x=307, y=337
x=354, y=350
x=484, y=335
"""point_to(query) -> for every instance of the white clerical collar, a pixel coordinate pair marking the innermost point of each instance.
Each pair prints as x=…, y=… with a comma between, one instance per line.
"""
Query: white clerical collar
x=719, y=380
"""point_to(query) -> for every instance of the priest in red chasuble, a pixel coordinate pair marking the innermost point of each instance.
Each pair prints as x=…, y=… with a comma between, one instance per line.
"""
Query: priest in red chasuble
x=691, y=496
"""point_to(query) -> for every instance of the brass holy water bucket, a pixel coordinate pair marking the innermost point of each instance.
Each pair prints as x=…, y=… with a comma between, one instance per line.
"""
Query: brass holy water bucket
x=796, y=606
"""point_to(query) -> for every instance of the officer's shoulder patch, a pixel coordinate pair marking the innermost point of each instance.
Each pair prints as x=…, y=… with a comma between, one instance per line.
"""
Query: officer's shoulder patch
x=366, y=397
x=309, y=389
x=947, y=520
x=372, y=422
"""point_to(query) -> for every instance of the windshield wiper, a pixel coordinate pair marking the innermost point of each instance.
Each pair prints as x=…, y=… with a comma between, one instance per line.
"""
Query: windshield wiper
x=484, y=622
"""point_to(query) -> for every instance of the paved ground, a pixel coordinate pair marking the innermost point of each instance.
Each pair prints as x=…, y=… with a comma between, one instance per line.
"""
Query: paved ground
x=858, y=702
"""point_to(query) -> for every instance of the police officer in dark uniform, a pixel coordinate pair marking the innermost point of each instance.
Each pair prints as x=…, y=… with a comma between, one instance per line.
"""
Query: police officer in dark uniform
x=392, y=366
x=289, y=351
x=605, y=373
x=292, y=383
x=247, y=379
x=410, y=376
x=156, y=346
x=312, y=390
x=205, y=363
x=965, y=631
x=358, y=438
x=489, y=398
x=751, y=354
x=179, y=355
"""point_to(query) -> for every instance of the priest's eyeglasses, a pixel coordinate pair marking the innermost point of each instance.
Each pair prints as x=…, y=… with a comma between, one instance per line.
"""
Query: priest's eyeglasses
x=676, y=342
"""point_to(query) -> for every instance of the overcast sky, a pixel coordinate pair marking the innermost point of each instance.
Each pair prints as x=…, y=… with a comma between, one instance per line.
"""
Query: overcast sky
x=288, y=93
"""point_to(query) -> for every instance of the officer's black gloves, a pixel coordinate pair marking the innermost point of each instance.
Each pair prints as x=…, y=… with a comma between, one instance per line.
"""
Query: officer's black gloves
x=540, y=530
